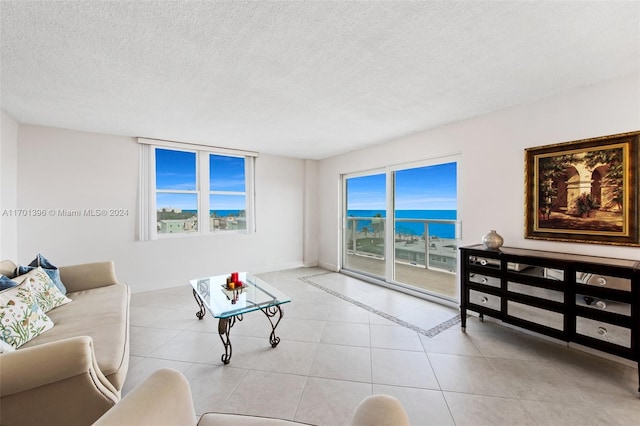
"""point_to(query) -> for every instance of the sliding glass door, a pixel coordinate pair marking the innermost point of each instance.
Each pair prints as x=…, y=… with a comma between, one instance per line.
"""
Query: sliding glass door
x=406, y=235
x=365, y=223
x=425, y=214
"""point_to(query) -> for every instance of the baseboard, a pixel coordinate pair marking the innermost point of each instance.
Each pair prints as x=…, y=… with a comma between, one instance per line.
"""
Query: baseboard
x=279, y=267
x=329, y=266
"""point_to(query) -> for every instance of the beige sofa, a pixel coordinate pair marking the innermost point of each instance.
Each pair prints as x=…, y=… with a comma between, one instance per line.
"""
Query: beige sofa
x=73, y=373
x=164, y=398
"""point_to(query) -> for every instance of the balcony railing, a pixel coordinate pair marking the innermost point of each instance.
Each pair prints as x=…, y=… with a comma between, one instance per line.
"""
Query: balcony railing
x=429, y=243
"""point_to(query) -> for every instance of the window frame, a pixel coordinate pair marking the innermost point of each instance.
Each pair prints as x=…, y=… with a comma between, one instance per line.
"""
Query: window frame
x=196, y=191
x=148, y=191
x=211, y=192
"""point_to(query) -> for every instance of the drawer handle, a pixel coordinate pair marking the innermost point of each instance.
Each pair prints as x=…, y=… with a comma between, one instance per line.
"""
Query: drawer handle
x=484, y=280
x=600, y=304
x=483, y=262
x=602, y=331
x=601, y=281
x=484, y=299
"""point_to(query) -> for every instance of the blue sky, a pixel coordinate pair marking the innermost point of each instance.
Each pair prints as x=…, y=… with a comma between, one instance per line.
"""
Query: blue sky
x=422, y=188
x=176, y=170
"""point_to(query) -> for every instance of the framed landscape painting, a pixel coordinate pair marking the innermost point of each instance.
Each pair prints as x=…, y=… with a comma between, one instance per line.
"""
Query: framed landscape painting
x=584, y=191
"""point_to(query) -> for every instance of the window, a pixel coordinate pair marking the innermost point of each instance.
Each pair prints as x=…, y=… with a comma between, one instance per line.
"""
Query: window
x=176, y=191
x=227, y=192
x=192, y=190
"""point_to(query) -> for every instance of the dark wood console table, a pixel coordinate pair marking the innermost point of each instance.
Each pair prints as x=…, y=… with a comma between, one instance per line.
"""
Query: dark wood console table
x=592, y=301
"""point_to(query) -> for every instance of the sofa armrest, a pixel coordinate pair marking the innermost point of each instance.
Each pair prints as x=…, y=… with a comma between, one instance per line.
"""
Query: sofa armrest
x=54, y=383
x=164, y=398
x=88, y=275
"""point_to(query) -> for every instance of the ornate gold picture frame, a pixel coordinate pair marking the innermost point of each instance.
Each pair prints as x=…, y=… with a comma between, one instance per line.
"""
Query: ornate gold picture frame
x=584, y=191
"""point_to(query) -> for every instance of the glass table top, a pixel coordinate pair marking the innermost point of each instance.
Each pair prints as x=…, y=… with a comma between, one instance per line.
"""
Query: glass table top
x=256, y=294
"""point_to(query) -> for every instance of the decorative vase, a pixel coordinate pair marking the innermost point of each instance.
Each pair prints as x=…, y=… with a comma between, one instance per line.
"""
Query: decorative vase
x=492, y=240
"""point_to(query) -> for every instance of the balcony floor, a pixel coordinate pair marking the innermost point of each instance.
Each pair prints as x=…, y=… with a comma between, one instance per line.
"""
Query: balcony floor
x=441, y=283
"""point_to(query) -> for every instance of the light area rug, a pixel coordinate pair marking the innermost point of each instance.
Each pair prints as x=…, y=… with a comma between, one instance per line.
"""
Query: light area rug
x=433, y=331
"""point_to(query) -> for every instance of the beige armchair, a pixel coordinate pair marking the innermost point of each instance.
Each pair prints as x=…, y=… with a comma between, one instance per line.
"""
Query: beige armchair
x=164, y=398
x=43, y=379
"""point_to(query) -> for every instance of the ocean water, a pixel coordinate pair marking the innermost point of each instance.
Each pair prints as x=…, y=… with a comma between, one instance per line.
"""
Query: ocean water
x=435, y=229
x=223, y=213
x=406, y=228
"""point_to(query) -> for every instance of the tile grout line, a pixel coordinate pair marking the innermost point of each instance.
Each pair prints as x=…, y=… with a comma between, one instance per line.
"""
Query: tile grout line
x=433, y=331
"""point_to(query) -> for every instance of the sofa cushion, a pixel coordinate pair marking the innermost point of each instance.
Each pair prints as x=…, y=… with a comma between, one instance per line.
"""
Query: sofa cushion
x=51, y=270
x=6, y=282
x=101, y=313
x=46, y=293
x=21, y=319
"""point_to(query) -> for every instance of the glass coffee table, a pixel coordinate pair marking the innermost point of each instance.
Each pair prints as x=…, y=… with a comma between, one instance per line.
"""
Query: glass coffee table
x=229, y=306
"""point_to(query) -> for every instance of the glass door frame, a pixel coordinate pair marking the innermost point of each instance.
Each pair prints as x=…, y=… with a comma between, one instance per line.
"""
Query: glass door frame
x=390, y=220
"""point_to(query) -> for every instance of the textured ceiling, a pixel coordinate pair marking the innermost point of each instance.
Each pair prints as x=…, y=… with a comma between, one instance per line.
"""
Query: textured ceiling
x=300, y=79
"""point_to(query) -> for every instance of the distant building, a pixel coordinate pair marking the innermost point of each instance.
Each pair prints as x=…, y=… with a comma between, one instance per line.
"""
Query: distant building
x=172, y=226
x=217, y=223
x=236, y=223
x=442, y=253
x=227, y=223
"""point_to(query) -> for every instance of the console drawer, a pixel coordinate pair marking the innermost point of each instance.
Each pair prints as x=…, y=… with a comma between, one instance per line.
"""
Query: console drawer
x=484, y=279
x=605, y=305
x=536, y=315
x=603, y=331
x=542, y=293
x=486, y=262
x=489, y=301
x=605, y=281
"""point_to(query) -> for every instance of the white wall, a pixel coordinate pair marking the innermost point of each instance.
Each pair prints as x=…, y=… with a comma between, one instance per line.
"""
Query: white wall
x=491, y=169
x=310, y=244
x=65, y=169
x=8, y=187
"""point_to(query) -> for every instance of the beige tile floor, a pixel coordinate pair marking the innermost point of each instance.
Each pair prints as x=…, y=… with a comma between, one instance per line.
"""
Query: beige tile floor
x=333, y=354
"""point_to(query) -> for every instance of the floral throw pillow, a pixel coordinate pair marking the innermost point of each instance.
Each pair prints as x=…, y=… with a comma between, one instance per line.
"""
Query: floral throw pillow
x=21, y=319
x=43, y=289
